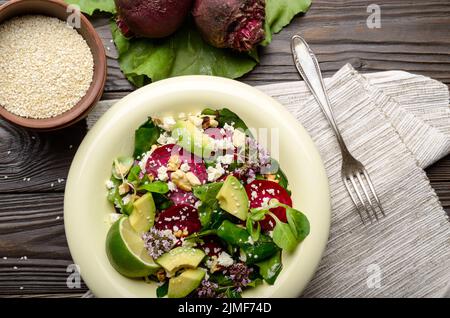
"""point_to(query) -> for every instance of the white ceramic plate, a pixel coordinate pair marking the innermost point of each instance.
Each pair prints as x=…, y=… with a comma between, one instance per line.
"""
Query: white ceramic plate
x=86, y=206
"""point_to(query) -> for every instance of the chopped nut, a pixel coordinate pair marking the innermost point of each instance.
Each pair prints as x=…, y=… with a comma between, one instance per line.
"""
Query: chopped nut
x=185, y=232
x=209, y=121
x=193, y=179
x=178, y=233
x=214, y=123
x=157, y=121
x=181, y=181
x=197, y=121
x=124, y=188
x=150, y=177
x=272, y=177
x=161, y=275
x=174, y=163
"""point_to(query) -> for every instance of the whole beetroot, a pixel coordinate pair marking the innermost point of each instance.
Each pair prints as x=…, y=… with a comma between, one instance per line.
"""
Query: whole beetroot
x=235, y=24
x=151, y=18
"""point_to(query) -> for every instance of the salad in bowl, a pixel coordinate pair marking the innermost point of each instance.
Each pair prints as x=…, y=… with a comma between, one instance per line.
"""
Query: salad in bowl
x=202, y=208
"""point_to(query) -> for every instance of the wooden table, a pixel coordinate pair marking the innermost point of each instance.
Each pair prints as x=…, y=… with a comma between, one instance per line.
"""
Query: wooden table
x=415, y=36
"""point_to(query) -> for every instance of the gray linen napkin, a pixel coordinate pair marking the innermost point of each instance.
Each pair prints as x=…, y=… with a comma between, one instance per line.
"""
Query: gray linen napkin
x=396, y=123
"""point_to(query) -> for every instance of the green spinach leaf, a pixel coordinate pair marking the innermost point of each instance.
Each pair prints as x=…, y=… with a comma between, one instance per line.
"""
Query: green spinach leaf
x=299, y=223
x=162, y=290
x=155, y=187
x=271, y=268
x=90, y=6
x=226, y=116
x=207, y=194
x=284, y=237
x=145, y=137
x=260, y=250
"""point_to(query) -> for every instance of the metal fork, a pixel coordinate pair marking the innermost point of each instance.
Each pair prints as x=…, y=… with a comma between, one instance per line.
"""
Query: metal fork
x=354, y=174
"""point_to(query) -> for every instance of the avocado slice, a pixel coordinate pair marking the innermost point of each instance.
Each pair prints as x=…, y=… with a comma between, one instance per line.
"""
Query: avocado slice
x=185, y=283
x=233, y=198
x=192, y=139
x=181, y=257
x=142, y=217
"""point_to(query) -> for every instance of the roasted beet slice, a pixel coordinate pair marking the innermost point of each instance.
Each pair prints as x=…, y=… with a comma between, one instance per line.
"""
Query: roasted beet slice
x=179, y=217
x=260, y=191
x=161, y=155
x=211, y=246
x=182, y=197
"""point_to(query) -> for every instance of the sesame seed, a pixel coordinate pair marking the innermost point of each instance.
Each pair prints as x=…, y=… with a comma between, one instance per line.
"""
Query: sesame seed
x=49, y=66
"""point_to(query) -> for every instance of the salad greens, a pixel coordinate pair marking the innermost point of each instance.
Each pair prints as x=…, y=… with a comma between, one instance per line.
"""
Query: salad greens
x=207, y=227
x=207, y=195
x=185, y=52
x=145, y=137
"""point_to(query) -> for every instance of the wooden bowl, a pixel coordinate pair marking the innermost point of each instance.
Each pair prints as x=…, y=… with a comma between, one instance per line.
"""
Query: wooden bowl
x=58, y=9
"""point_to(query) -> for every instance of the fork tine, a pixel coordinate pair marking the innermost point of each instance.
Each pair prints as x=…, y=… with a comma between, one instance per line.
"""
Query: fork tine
x=353, y=199
x=352, y=180
x=358, y=175
x=372, y=188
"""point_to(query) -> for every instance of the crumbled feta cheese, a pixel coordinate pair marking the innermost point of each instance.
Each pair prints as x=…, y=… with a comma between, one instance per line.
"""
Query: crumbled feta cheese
x=185, y=167
x=165, y=139
x=228, y=127
x=109, y=184
x=215, y=173
x=223, y=144
x=197, y=204
x=162, y=173
x=254, y=195
x=226, y=159
x=265, y=202
x=126, y=199
x=172, y=186
x=239, y=138
x=271, y=191
x=225, y=260
x=167, y=123
x=197, y=121
x=145, y=157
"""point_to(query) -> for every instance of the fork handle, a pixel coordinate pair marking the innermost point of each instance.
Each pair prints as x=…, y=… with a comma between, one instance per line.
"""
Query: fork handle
x=308, y=67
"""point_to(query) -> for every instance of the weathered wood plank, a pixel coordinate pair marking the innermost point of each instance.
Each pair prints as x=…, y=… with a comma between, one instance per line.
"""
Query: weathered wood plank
x=34, y=255
x=36, y=162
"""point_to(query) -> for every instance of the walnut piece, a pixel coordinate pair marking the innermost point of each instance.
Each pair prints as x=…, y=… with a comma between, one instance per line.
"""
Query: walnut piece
x=181, y=181
x=193, y=179
x=174, y=163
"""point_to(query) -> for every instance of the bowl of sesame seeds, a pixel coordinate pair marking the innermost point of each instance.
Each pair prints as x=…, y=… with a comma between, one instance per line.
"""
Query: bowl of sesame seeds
x=53, y=64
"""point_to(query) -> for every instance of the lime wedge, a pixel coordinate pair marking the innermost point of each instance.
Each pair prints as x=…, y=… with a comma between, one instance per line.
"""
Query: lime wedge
x=126, y=251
